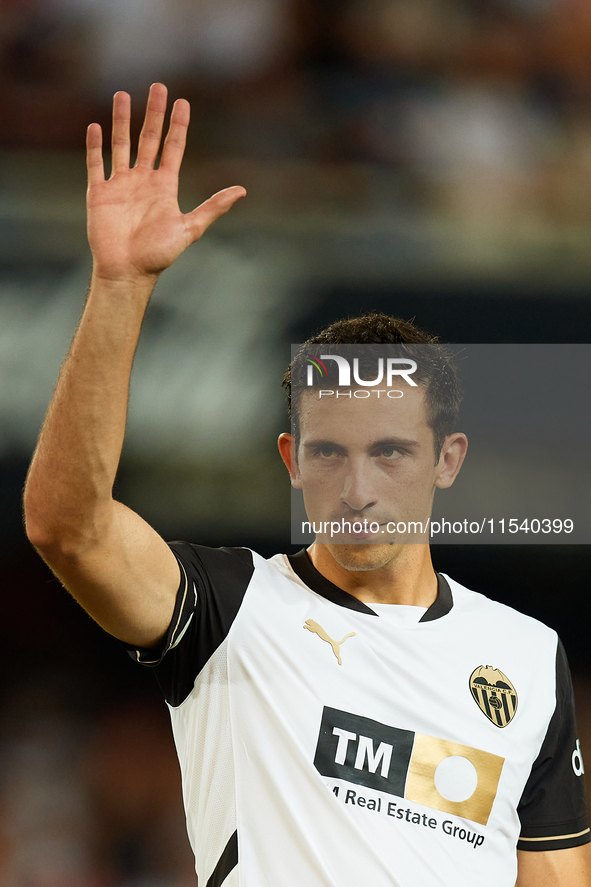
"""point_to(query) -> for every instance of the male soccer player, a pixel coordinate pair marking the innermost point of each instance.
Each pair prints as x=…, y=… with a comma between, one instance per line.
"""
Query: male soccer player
x=343, y=716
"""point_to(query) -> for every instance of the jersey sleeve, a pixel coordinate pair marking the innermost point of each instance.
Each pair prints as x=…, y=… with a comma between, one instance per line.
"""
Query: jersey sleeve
x=212, y=586
x=552, y=809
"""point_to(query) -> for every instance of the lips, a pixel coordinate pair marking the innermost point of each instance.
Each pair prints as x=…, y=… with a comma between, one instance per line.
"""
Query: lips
x=345, y=529
x=364, y=529
x=364, y=534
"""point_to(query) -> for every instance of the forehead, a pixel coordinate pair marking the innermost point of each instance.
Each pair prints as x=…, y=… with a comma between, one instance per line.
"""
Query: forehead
x=350, y=419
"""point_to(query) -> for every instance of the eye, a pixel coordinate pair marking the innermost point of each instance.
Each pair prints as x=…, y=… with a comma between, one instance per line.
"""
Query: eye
x=326, y=451
x=390, y=452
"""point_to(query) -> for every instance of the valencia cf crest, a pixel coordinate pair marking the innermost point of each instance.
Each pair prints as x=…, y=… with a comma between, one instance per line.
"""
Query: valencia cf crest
x=494, y=694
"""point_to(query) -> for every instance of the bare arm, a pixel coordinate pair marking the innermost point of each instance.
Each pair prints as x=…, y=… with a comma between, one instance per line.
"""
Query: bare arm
x=555, y=868
x=113, y=563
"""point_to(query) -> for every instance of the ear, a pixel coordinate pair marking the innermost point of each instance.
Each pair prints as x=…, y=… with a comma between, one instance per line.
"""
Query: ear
x=450, y=460
x=287, y=451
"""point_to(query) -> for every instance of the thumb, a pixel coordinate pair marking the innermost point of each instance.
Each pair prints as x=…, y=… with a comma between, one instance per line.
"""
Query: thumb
x=210, y=210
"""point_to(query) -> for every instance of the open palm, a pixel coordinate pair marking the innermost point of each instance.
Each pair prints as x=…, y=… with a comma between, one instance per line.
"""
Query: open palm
x=135, y=226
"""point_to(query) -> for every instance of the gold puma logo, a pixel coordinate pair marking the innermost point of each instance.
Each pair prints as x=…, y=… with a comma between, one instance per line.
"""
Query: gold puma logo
x=318, y=629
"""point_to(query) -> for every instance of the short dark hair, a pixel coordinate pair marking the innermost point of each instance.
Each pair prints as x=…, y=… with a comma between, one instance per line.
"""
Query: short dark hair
x=436, y=371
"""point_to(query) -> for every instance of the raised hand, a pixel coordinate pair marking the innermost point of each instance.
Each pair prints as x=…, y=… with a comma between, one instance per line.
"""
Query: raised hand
x=135, y=226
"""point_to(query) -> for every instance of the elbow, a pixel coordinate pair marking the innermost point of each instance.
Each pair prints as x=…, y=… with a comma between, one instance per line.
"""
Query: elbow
x=36, y=529
x=57, y=546
x=58, y=538
x=62, y=526
x=42, y=538
x=36, y=534
x=48, y=541
x=37, y=526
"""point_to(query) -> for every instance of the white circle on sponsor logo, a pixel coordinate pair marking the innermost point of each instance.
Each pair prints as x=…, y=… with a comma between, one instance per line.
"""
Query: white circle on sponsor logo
x=456, y=778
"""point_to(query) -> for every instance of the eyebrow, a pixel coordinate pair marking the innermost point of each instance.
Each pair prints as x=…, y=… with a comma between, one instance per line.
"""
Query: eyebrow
x=402, y=442
x=396, y=442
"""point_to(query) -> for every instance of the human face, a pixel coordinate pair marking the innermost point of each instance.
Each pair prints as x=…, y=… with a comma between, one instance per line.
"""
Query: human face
x=369, y=461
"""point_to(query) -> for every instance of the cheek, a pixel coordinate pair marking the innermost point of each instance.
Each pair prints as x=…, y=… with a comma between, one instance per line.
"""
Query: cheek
x=318, y=485
x=321, y=484
x=412, y=483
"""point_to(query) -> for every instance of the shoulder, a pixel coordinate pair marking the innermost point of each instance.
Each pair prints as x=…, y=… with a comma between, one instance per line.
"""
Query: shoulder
x=220, y=579
x=225, y=559
x=215, y=583
x=213, y=560
x=472, y=605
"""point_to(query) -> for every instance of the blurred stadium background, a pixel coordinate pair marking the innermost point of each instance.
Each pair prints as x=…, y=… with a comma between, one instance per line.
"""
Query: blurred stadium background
x=431, y=158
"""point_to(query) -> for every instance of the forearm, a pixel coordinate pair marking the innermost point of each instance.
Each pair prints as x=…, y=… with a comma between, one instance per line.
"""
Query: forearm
x=112, y=561
x=555, y=868
x=69, y=488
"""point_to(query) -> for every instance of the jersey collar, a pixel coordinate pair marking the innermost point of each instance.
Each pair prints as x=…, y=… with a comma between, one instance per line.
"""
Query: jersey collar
x=305, y=569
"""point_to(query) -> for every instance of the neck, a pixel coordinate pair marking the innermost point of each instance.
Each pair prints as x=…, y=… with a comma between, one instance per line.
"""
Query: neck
x=403, y=575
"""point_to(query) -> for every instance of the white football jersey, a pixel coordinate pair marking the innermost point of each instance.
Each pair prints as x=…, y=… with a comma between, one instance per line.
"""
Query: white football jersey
x=329, y=743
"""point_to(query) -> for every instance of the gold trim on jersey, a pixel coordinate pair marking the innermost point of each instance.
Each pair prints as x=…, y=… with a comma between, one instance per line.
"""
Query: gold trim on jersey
x=558, y=837
x=173, y=641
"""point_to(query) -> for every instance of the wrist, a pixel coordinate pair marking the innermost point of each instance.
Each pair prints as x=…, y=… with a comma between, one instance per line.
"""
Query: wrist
x=132, y=284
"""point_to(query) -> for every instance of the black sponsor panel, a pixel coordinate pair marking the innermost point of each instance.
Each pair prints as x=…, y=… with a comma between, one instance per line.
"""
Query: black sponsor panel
x=363, y=751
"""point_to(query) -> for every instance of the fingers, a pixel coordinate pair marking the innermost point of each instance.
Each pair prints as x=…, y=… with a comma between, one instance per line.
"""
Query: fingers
x=94, y=154
x=120, y=133
x=176, y=138
x=206, y=214
x=151, y=133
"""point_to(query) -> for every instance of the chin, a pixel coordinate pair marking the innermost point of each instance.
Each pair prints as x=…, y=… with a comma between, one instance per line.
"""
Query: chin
x=364, y=557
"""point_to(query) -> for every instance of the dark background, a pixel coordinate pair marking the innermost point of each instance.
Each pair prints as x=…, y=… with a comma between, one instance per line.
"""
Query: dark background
x=428, y=158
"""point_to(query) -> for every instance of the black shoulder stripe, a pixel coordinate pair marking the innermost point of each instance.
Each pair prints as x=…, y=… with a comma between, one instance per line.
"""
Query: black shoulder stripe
x=552, y=809
x=220, y=577
x=181, y=618
x=227, y=861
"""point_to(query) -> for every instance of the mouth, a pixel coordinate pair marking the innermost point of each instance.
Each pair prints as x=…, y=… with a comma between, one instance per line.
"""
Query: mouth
x=360, y=530
x=364, y=534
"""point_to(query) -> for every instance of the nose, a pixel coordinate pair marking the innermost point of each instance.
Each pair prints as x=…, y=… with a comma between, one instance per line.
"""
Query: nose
x=358, y=492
